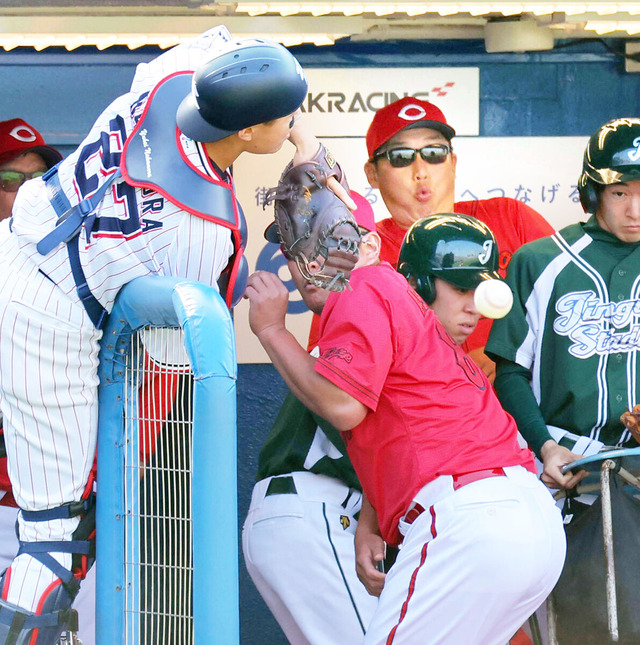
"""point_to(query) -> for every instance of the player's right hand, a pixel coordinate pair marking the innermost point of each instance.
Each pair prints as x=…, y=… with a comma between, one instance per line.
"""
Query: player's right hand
x=268, y=301
x=554, y=457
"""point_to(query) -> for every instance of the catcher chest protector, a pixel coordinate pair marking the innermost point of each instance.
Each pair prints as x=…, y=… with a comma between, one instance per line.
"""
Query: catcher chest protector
x=253, y=82
x=456, y=248
x=612, y=156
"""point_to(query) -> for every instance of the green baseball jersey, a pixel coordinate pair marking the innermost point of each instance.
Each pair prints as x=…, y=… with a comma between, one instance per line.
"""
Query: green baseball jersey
x=299, y=441
x=575, y=324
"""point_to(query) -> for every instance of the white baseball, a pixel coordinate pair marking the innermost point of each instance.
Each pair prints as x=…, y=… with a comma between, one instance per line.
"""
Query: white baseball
x=493, y=298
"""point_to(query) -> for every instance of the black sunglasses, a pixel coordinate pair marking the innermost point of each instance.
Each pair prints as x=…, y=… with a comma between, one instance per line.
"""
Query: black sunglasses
x=403, y=157
x=11, y=180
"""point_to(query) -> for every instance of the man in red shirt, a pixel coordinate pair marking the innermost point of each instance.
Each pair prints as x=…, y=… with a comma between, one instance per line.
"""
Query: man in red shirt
x=482, y=540
x=412, y=164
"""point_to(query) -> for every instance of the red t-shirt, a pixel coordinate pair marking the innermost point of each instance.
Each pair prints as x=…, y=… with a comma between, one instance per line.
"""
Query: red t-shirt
x=524, y=225
x=433, y=411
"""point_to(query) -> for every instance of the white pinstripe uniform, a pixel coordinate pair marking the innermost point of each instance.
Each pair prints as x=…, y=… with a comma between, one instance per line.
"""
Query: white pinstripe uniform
x=48, y=345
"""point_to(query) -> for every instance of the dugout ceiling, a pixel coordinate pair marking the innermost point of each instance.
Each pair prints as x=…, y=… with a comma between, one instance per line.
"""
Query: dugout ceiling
x=503, y=25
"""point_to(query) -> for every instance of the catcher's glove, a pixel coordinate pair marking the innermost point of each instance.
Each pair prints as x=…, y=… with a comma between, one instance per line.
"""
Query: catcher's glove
x=310, y=219
x=631, y=421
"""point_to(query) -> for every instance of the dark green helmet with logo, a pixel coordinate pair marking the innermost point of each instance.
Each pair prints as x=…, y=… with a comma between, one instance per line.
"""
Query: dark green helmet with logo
x=459, y=249
x=612, y=156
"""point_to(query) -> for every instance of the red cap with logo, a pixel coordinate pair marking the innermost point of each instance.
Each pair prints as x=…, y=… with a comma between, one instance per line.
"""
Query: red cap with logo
x=407, y=112
x=18, y=137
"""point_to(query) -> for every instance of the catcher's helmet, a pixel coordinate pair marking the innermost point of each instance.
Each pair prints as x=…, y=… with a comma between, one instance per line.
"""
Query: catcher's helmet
x=456, y=248
x=253, y=82
x=612, y=156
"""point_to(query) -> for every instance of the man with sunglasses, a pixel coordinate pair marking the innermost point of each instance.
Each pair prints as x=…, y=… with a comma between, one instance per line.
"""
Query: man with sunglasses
x=23, y=155
x=412, y=164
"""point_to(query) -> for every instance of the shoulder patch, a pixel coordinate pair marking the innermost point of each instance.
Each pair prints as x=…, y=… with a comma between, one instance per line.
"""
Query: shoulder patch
x=338, y=352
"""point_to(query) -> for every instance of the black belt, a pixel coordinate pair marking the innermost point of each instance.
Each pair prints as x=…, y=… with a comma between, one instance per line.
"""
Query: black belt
x=281, y=486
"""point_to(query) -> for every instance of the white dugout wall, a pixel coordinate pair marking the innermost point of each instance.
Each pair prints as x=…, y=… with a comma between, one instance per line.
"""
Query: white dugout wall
x=167, y=544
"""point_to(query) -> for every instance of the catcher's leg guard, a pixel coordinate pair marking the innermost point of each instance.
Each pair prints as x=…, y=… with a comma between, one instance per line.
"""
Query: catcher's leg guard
x=53, y=614
x=21, y=627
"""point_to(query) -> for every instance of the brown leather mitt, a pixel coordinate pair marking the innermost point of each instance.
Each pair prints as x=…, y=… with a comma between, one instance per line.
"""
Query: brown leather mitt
x=310, y=219
x=631, y=421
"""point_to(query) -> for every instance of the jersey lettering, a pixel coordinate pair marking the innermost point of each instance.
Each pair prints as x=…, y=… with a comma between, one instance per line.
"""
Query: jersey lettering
x=137, y=108
x=595, y=326
x=154, y=205
x=95, y=161
x=468, y=366
x=505, y=258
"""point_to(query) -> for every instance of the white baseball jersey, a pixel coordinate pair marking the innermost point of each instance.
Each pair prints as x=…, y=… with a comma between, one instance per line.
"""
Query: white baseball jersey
x=134, y=231
x=48, y=344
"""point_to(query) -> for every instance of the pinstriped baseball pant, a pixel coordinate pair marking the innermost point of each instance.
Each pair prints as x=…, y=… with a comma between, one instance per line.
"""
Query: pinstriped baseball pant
x=48, y=383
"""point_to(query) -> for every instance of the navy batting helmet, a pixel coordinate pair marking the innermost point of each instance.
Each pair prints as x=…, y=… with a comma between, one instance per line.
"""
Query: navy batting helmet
x=253, y=82
x=612, y=156
x=459, y=249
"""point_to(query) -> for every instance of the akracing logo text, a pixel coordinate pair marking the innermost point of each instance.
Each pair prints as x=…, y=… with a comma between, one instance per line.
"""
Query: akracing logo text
x=349, y=103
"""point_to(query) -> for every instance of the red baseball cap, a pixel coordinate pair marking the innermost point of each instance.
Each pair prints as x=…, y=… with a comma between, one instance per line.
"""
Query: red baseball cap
x=407, y=112
x=364, y=212
x=18, y=137
x=363, y=215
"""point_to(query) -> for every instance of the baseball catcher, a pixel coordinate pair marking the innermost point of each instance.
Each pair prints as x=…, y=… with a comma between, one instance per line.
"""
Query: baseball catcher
x=310, y=219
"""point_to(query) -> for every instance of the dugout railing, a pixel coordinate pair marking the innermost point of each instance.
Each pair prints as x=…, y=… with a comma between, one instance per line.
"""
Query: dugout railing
x=167, y=543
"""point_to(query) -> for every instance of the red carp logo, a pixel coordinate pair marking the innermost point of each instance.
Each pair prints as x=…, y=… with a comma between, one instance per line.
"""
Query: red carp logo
x=338, y=352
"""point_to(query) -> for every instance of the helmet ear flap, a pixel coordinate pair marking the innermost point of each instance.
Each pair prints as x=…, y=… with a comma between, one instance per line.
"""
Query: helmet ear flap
x=426, y=287
x=588, y=196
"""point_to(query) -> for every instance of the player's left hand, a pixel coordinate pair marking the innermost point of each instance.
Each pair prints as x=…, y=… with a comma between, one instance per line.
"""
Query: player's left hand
x=268, y=301
x=554, y=457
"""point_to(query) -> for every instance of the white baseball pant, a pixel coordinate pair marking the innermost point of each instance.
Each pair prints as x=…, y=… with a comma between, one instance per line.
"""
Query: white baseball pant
x=299, y=551
x=474, y=565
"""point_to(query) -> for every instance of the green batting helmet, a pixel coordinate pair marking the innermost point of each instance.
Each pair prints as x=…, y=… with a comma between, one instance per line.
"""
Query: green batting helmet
x=459, y=249
x=612, y=156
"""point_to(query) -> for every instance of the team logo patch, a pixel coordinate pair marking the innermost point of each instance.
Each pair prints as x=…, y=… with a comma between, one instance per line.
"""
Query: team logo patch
x=634, y=155
x=330, y=159
x=23, y=133
x=412, y=112
x=338, y=352
x=487, y=247
x=345, y=521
